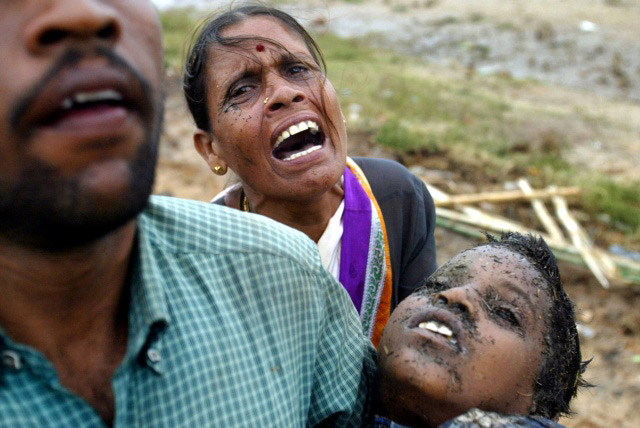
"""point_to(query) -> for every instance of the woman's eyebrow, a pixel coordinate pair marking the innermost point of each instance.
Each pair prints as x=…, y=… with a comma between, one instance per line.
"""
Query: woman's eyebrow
x=290, y=57
x=243, y=72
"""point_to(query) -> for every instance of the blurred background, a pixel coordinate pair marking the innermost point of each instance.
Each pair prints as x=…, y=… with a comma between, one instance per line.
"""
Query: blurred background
x=472, y=95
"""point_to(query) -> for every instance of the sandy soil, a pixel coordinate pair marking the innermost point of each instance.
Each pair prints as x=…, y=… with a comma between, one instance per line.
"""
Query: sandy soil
x=610, y=320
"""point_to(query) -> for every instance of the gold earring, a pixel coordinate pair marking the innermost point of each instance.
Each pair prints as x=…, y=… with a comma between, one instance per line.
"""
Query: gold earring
x=219, y=170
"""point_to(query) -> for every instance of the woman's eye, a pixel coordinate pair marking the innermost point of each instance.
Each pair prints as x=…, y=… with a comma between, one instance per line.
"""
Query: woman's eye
x=298, y=69
x=240, y=90
x=507, y=315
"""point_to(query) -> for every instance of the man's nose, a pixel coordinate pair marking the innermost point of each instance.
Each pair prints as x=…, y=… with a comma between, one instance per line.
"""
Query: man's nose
x=72, y=21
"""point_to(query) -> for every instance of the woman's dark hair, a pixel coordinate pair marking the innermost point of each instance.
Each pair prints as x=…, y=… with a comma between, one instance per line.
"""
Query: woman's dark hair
x=560, y=374
x=195, y=72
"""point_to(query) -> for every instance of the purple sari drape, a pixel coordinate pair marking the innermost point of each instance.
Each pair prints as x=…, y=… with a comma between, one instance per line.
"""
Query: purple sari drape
x=355, y=238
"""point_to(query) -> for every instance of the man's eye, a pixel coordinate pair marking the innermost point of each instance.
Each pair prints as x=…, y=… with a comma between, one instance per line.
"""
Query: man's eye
x=507, y=315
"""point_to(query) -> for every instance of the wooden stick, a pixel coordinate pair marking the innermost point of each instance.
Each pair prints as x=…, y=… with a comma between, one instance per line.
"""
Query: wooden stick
x=494, y=224
x=578, y=238
x=543, y=214
x=628, y=271
x=504, y=196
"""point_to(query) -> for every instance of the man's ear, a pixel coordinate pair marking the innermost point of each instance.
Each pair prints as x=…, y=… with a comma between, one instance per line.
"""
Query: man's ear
x=205, y=144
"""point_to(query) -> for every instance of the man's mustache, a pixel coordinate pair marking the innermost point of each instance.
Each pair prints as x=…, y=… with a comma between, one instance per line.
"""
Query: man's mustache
x=70, y=59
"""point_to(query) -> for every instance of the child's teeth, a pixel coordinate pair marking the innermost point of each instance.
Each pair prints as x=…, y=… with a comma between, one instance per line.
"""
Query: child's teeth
x=445, y=331
x=436, y=327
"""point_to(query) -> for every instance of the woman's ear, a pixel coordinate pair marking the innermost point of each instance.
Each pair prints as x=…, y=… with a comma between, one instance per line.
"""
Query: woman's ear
x=204, y=143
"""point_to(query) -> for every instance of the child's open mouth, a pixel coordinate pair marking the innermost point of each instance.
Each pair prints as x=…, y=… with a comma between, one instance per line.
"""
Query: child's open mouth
x=439, y=328
x=439, y=325
x=298, y=140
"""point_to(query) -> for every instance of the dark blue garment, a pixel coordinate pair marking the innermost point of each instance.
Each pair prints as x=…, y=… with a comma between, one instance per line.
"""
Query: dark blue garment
x=475, y=418
x=381, y=422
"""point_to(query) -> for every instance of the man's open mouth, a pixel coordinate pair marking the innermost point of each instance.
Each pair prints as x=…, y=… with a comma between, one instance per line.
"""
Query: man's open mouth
x=86, y=101
x=298, y=140
x=92, y=99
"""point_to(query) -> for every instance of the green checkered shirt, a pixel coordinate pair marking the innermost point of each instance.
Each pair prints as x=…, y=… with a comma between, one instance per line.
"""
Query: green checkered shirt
x=233, y=323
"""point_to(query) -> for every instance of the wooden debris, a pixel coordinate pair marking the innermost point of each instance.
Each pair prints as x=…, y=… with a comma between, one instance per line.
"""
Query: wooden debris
x=505, y=196
x=580, y=240
x=467, y=220
x=541, y=211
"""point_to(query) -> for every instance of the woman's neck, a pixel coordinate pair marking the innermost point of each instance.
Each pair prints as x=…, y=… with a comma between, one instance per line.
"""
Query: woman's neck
x=309, y=216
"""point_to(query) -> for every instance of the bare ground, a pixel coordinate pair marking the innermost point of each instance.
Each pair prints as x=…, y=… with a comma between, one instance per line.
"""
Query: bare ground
x=610, y=319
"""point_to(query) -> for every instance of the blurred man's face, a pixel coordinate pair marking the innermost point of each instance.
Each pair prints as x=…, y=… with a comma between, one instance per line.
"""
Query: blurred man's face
x=80, y=112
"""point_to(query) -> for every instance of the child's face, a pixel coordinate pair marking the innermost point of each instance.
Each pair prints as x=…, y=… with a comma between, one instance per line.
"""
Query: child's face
x=478, y=343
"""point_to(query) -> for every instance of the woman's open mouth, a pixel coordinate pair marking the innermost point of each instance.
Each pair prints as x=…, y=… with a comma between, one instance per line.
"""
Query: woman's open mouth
x=298, y=140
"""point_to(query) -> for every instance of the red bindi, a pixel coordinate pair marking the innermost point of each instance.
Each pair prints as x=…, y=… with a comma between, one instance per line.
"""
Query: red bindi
x=259, y=48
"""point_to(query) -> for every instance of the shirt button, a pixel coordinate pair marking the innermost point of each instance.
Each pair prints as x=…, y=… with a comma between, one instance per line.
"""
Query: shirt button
x=12, y=360
x=153, y=356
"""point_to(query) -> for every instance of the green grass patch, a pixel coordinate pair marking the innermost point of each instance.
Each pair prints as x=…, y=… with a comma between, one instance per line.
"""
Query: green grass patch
x=621, y=203
x=177, y=25
x=410, y=106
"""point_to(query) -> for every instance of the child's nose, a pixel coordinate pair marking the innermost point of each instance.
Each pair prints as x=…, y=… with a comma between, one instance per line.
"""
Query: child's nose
x=457, y=299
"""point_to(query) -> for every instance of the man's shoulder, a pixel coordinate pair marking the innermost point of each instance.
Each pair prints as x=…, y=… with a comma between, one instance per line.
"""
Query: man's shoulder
x=185, y=226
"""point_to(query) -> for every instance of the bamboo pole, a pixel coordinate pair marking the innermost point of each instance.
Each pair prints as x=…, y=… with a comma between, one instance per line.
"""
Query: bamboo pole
x=543, y=214
x=579, y=240
x=470, y=220
x=628, y=270
x=504, y=196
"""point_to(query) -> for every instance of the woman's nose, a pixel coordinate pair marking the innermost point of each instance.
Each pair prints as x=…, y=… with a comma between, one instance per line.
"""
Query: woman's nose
x=283, y=94
x=64, y=21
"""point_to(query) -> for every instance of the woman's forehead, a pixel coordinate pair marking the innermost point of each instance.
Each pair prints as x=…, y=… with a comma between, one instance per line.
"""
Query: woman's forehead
x=268, y=28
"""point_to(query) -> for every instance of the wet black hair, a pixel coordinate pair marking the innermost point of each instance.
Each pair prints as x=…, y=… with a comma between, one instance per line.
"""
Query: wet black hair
x=560, y=373
x=209, y=34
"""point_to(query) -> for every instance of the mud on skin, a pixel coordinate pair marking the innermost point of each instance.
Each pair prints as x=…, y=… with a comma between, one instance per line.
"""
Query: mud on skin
x=487, y=302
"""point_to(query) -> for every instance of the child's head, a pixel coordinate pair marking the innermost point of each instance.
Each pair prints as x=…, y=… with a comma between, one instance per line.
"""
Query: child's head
x=491, y=329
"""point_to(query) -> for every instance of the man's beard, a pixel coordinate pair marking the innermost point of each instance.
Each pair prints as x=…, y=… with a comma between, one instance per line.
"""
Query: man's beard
x=47, y=211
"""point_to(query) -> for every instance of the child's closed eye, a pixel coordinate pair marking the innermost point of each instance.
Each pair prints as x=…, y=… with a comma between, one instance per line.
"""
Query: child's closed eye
x=507, y=315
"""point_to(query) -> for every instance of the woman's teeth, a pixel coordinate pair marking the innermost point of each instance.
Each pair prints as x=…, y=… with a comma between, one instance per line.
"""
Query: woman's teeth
x=302, y=153
x=436, y=327
x=294, y=129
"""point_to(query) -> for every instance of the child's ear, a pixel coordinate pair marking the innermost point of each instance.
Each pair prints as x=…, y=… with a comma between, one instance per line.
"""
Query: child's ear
x=205, y=144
